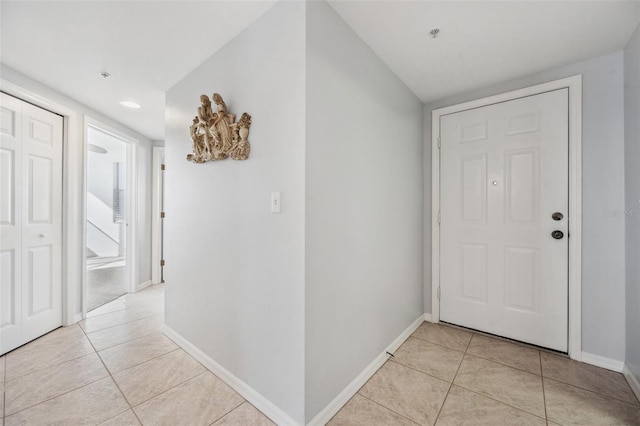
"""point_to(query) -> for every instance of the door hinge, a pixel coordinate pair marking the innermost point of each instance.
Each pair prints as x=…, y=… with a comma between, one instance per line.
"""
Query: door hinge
x=162, y=262
x=161, y=215
x=161, y=166
x=439, y=142
x=438, y=293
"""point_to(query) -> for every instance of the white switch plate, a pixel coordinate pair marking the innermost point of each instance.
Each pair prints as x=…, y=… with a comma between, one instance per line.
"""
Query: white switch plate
x=275, y=202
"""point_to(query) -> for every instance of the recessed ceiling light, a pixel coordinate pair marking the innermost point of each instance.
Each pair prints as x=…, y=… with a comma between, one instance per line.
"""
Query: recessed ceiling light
x=95, y=148
x=130, y=104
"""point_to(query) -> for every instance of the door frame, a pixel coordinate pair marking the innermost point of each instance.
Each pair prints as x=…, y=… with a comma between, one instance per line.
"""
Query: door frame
x=72, y=197
x=156, y=223
x=132, y=206
x=574, y=84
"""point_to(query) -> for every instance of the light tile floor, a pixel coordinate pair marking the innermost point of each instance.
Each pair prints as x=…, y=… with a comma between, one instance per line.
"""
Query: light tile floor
x=444, y=375
x=116, y=368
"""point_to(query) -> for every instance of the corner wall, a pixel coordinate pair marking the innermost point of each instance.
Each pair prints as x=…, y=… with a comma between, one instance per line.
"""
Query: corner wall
x=632, y=207
x=234, y=270
x=363, y=207
x=603, y=229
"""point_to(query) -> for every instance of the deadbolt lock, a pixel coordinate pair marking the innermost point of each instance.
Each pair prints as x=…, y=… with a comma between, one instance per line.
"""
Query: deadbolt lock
x=557, y=234
x=557, y=216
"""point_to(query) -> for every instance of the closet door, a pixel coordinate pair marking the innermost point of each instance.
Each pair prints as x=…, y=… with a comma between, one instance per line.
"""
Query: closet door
x=30, y=222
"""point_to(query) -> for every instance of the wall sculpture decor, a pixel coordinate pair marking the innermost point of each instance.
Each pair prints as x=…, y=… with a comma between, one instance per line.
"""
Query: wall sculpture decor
x=216, y=135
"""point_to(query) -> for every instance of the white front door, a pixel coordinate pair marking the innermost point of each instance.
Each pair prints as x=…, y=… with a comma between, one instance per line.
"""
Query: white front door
x=504, y=191
x=30, y=222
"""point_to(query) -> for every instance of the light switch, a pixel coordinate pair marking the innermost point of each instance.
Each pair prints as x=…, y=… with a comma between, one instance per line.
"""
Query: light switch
x=275, y=202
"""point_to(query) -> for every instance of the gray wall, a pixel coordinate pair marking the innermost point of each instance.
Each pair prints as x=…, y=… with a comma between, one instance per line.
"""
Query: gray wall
x=632, y=188
x=363, y=207
x=603, y=238
x=235, y=272
x=145, y=179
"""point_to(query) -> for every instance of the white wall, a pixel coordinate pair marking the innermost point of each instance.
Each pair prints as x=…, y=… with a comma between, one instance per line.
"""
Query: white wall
x=632, y=187
x=363, y=207
x=603, y=238
x=234, y=271
x=144, y=161
x=20, y=85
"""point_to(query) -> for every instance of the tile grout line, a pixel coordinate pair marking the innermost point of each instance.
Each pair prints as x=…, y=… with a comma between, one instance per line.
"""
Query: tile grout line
x=125, y=341
x=111, y=326
x=419, y=371
x=228, y=412
x=140, y=363
x=113, y=381
x=453, y=379
x=609, y=398
x=49, y=366
x=544, y=396
x=57, y=396
x=111, y=375
x=500, y=402
x=383, y=406
x=481, y=356
x=435, y=343
x=173, y=387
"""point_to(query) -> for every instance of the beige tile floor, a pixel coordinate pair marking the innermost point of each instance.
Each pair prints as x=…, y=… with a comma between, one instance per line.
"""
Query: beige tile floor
x=116, y=368
x=444, y=375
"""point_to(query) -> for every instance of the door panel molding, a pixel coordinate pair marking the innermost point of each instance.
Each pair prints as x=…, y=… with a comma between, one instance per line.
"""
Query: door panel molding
x=72, y=196
x=574, y=85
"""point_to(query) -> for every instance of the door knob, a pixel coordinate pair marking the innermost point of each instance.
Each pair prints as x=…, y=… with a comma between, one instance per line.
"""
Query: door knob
x=557, y=216
x=557, y=234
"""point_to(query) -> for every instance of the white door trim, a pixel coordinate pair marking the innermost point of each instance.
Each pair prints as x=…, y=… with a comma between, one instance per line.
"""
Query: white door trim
x=72, y=198
x=132, y=200
x=574, y=84
x=156, y=238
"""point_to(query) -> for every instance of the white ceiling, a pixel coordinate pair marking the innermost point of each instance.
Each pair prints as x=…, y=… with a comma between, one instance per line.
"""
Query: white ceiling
x=481, y=43
x=148, y=45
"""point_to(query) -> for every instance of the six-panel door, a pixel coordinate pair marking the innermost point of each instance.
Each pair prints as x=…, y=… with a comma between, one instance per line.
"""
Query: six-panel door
x=30, y=222
x=504, y=173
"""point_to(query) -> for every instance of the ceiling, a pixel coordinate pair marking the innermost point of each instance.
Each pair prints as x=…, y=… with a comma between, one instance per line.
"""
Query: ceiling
x=481, y=43
x=148, y=46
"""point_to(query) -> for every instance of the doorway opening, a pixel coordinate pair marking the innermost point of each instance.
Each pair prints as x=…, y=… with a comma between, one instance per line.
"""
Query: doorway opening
x=108, y=208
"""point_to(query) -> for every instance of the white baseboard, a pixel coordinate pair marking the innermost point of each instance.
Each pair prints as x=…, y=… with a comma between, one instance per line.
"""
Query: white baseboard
x=143, y=285
x=339, y=401
x=600, y=361
x=247, y=392
x=427, y=317
x=634, y=382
